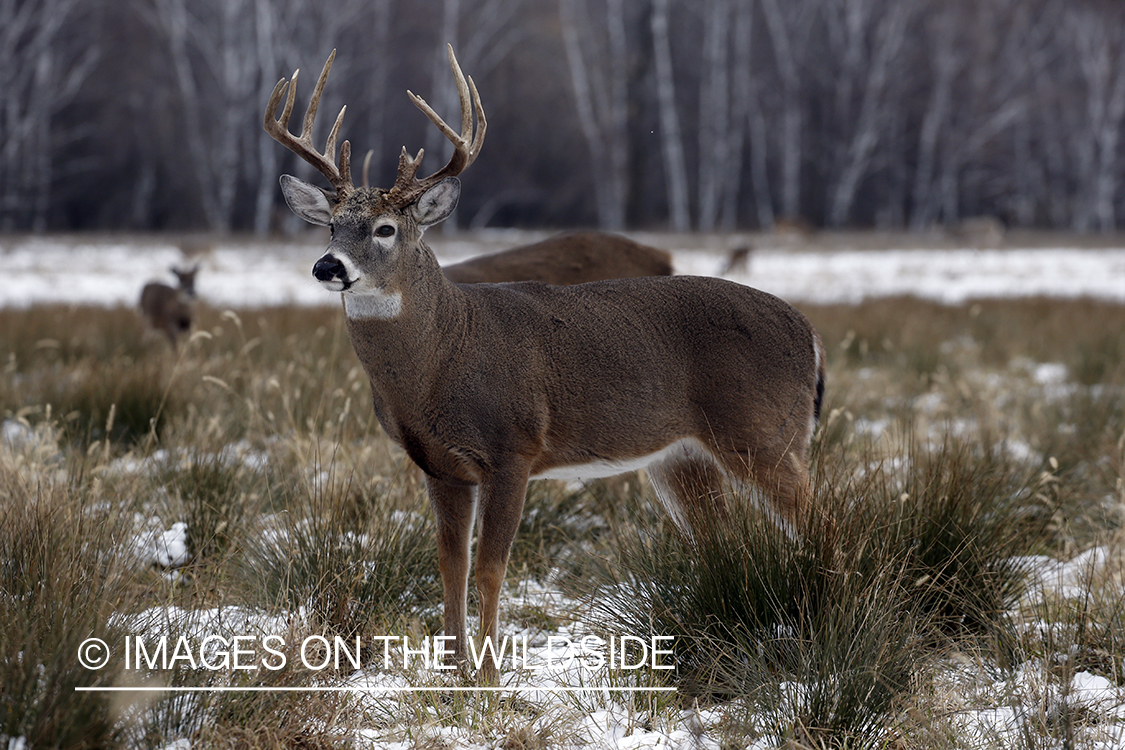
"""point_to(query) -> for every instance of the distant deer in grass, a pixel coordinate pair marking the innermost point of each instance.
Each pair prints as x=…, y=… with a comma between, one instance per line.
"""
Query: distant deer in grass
x=170, y=309
x=738, y=261
x=708, y=384
x=981, y=232
x=572, y=258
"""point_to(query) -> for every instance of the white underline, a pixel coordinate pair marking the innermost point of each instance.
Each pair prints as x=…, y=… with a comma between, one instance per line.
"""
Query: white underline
x=263, y=689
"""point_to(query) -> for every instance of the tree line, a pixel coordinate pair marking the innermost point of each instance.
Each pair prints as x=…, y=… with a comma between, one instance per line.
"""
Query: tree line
x=685, y=114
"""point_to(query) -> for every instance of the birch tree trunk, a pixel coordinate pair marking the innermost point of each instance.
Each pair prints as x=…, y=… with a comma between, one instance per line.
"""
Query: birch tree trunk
x=443, y=96
x=946, y=65
x=874, y=75
x=1099, y=49
x=178, y=26
x=671, y=142
x=491, y=35
x=741, y=93
x=268, y=156
x=717, y=124
x=791, y=115
x=600, y=100
x=40, y=74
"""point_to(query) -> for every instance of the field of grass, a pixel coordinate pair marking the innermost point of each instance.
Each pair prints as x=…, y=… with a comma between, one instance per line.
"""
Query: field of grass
x=963, y=451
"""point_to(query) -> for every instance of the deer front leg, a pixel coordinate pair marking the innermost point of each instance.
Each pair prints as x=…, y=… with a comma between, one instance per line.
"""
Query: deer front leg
x=454, y=508
x=502, y=499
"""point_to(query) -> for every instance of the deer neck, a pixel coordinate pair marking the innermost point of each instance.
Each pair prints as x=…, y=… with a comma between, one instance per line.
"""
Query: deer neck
x=403, y=332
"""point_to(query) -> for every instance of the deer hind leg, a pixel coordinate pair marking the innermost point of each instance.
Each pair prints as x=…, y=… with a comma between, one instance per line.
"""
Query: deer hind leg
x=693, y=483
x=777, y=482
x=689, y=484
x=454, y=508
x=785, y=491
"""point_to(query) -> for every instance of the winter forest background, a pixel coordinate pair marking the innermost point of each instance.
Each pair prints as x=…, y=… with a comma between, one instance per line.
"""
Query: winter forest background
x=678, y=114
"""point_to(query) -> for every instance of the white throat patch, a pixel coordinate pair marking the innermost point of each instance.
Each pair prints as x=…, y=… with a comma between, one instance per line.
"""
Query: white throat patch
x=376, y=306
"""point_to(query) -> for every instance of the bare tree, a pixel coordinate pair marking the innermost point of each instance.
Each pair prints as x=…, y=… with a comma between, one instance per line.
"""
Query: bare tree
x=675, y=169
x=1098, y=48
x=846, y=111
x=380, y=59
x=599, y=75
x=742, y=94
x=268, y=159
x=493, y=31
x=748, y=90
x=42, y=71
x=948, y=60
x=868, y=35
x=724, y=106
x=790, y=24
x=223, y=54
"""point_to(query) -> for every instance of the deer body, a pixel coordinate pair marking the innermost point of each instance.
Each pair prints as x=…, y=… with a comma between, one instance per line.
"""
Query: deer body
x=170, y=309
x=572, y=258
x=594, y=380
x=704, y=382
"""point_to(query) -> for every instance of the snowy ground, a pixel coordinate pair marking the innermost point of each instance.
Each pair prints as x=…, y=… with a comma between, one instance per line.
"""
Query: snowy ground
x=107, y=271
x=992, y=707
x=241, y=273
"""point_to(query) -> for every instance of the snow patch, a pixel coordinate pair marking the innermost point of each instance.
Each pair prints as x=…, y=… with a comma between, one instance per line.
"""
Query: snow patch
x=153, y=544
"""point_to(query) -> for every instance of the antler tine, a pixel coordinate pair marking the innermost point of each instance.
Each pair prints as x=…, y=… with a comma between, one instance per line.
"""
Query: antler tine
x=466, y=145
x=339, y=173
x=367, y=166
x=314, y=100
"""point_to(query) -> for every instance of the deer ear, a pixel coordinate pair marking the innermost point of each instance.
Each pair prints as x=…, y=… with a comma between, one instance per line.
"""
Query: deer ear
x=437, y=203
x=307, y=201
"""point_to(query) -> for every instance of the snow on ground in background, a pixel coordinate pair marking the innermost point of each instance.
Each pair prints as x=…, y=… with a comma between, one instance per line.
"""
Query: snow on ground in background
x=246, y=273
x=949, y=276
x=42, y=270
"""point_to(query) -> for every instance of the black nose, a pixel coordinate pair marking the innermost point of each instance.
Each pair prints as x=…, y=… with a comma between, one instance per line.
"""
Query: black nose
x=328, y=268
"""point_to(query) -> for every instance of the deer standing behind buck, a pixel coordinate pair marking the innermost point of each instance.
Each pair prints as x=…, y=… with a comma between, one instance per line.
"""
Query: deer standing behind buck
x=170, y=309
x=572, y=258
x=704, y=382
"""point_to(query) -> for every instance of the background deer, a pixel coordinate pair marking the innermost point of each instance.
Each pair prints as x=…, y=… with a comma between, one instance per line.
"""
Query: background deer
x=569, y=258
x=704, y=382
x=980, y=232
x=170, y=309
x=572, y=258
x=738, y=260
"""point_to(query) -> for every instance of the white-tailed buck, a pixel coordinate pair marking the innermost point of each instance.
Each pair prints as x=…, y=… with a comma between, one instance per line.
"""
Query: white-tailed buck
x=170, y=309
x=706, y=383
x=572, y=258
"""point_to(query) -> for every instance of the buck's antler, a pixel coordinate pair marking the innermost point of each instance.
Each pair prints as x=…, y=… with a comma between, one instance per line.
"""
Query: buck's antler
x=407, y=186
x=339, y=175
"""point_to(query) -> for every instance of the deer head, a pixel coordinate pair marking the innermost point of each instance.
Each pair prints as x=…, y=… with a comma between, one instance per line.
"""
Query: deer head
x=373, y=229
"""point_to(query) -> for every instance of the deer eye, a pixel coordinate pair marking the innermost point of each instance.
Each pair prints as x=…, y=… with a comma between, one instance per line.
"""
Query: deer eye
x=384, y=230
